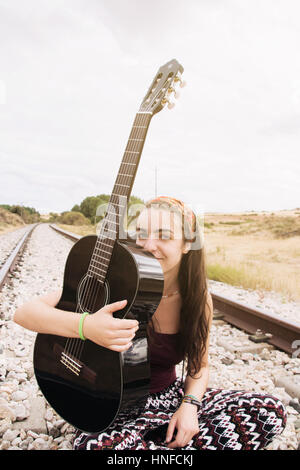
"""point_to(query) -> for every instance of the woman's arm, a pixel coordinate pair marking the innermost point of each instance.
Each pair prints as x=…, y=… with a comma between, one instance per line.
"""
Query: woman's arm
x=197, y=386
x=40, y=315
x=186, y=416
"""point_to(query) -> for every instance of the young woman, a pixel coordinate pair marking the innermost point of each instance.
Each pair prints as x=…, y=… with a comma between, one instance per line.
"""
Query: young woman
x=178, y=414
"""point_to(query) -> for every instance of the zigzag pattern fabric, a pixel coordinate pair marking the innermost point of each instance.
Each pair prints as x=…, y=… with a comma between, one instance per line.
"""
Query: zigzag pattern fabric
x=228, y=420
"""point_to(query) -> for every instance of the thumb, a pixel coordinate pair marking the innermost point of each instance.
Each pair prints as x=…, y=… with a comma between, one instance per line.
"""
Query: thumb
x=110, y=308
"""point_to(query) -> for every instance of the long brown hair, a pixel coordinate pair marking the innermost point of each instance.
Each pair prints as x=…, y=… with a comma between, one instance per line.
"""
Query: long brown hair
x=192, y=279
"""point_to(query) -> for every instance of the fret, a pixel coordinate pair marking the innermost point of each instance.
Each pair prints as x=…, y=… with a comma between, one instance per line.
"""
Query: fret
x=97, y=274
x=98, y=269
x=112, y=213
x=106, y=238
x=124, y=185
x=120, y=205
x=102, y=256
x=109, y=252
x=122, y=189
x=125, y=174
x=107, y=219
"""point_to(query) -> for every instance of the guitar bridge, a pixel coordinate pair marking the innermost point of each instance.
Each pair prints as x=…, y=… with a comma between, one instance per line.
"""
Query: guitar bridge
x=74, y=365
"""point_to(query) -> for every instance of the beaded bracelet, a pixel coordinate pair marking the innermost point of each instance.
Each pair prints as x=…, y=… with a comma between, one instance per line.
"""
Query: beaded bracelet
x=81, y=324
x=187, y=399
x=192, y=396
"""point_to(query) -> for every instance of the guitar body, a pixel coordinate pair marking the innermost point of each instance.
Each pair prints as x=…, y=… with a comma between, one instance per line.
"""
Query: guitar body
x=89, y=385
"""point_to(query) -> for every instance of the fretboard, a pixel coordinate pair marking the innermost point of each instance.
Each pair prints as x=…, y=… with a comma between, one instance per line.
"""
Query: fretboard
x=117, y=206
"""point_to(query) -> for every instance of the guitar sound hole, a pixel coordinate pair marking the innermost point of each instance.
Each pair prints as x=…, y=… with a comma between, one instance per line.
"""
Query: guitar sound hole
x=92, y=294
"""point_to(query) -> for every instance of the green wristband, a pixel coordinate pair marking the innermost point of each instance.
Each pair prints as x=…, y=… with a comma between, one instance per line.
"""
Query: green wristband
x=80, y=325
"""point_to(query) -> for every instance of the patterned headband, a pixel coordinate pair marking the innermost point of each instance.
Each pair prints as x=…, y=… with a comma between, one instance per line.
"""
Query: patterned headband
x=186, y=211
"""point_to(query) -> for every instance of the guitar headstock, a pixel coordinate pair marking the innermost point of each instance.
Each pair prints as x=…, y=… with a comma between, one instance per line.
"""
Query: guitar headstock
x=165, y=83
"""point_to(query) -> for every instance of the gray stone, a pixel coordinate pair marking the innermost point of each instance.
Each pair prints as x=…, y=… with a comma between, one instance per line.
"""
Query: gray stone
x=7, y=412
x=35, y=422
x=290, y=383
x=5, y=424
x=19, y=395
x=249, y=346
x=10, y=435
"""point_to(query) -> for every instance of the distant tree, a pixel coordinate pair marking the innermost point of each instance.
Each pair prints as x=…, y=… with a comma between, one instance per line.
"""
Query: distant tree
x=90, y=207
x=53, y=217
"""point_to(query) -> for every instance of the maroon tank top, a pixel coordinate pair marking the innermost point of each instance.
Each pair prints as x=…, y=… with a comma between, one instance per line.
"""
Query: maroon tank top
x=164, y=356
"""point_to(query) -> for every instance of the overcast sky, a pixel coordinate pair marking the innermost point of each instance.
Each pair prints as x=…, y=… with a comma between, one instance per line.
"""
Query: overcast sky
x=73, y=75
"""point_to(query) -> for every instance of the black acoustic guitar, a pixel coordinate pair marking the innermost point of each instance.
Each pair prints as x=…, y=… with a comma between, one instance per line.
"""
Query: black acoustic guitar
x=89, y=385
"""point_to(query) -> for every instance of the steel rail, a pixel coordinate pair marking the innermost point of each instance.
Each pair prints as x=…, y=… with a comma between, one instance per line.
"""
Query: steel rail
x=70, y=235
x=284, y=334
x=11, y=261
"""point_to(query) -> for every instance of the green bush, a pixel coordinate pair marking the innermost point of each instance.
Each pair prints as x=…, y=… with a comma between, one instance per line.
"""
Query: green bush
x=28, y=214
x=72, y=218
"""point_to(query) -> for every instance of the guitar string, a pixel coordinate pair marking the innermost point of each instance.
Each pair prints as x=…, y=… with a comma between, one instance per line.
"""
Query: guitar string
x=137, y=133
x=74, y=346
x=89, y=281
x=72, y=343
x=81, y=343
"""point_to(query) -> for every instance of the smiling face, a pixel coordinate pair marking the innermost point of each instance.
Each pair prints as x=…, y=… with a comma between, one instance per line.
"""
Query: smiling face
x=159, y=231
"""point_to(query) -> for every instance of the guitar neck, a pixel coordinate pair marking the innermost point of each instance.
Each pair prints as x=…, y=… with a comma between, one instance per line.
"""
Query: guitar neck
x=117, y=206
x=129, y=165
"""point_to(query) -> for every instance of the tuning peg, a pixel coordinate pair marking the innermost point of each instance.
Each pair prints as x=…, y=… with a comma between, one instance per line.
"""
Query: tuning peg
x=173, y=90
x=171, y=104
x=177, y=79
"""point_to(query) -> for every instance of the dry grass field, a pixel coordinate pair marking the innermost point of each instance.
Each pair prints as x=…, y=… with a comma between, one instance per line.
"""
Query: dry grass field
x=9, y=222
x=255, y=250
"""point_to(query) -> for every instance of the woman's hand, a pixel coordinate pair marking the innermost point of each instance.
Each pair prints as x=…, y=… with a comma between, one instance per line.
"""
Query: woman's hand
x=185, y=419
x=112, y=333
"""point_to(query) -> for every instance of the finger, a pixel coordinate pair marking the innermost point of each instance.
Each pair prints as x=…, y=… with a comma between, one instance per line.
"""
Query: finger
x=129, y=333
x=179, y=442
x=170, y=430
x=121, y=341
x=120, y=348
x=124, y=324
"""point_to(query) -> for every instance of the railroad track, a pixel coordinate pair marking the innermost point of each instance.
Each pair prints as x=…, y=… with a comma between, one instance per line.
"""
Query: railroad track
x=261, y=326
x=12, y=259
